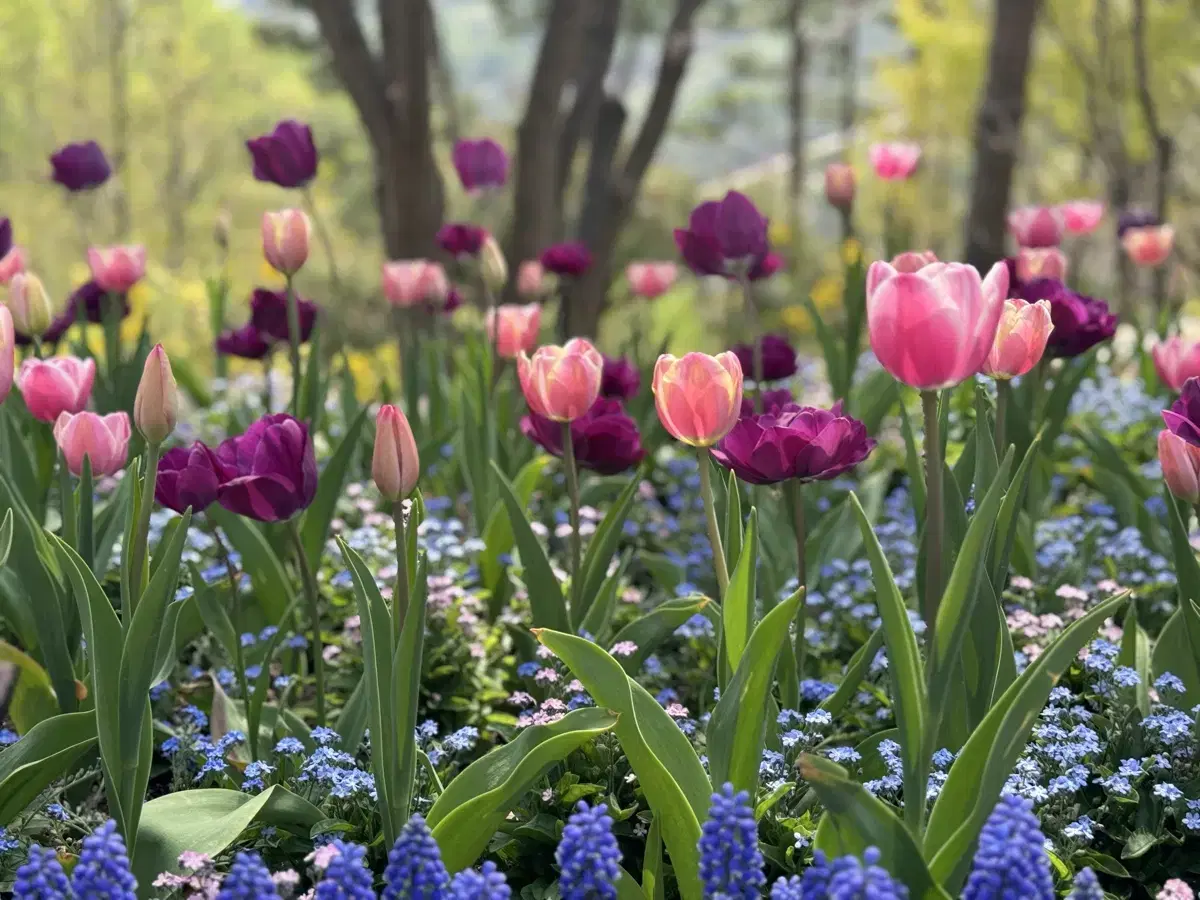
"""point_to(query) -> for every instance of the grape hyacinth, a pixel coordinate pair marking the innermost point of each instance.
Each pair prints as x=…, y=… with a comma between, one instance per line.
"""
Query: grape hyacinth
x=487, y=884
x=103, y=868
x=346, y=876
x=815, y=883
x=588, y=856
x=852, y=879
x=1011, y=860
x=788, y=889
x=42, y=877
x=1086, y=887
x=248, y=879
x=415, y=870
x=731, y=864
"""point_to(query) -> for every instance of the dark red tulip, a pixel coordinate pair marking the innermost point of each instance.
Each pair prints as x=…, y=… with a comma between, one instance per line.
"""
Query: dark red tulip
x=90, y=302
x=771, y=402
x=80, y=167
x=605, y=439
x=287, y=156
x=6, y=236
x=269, y=314
x=778, y=358
x=726, y=238
x=246, y=342
x=269, y=473
x=188, y=477
x=1183, y=418
x=480, y=164
x=461, y=239
x=454, y=299
x=53, y=334
x=571, y=259
x=620, y=379
x=1080, y=322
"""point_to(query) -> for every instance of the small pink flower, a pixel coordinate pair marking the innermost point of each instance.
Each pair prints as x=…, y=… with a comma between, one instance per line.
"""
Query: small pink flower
x=1176, y=361
x=51, y=387
x=323, y=856
x=624, y=648
x=12, y=263
x=411, y=281
x=117, y=269
x=1020, y=338
x=651, y=279
x=1041, y=262
x=193, y=861
x=895, y=161
x=519, y=327
x=1149, y=245
x=1036, y=226
x=1081, y=216
x=102, y=439
x=1176, y=889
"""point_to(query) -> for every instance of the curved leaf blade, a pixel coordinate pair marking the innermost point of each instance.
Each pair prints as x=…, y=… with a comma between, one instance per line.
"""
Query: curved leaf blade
x=545, y=593
x=45, y=753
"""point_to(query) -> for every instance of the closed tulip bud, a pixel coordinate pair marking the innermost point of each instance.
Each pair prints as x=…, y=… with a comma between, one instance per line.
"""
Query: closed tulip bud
x=839, y=185
x=1036, y=226
x=285, y=236
x=1180, y=462
x=8, y=352
x=561, y=383
x=1149, y=245
x=651, y=279
x=492, y=266
x=29, y=304
x=698, y=397
x=532, y=280
x=1020, y=338
x=895, y=161
x=104, y=440
x=395, y=466
x=117, y=269
x=156, y=406
x=411, y=281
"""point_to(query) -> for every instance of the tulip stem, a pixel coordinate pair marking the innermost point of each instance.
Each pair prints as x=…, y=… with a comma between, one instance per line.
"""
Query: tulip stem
x=756, y=328
x=293, y=317
x=314, y=613
x=573, y=492
x=710, y=514
x=137, y=556
x=111, y=315
x=325, y=239
x=796, y=489
x=66, y=503
x=934, y=511
x=239, y=658
x=1003, y=391
x=401, y=600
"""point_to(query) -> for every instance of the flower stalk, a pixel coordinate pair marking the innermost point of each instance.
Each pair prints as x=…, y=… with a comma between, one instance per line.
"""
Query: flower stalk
x=710, y=515
x=572, y=472
x=934, y=510
x=314, y=613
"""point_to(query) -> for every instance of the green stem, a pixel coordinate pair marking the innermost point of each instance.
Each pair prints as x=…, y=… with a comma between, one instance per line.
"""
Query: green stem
x=403, y=596
x=239, y=658
x=111, y=315
x=934, y=511
x=1003, y=394
x=326, y=242
x=710, y=514
x=573, y=492
x=293, y=316
x=314, y=613
x=756, y=336
x=137, y=557
x=796, y=489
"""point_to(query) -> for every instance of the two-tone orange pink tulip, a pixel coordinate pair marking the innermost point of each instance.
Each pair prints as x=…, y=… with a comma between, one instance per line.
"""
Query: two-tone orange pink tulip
x=1020, y=338
x=561, y=383
x=698, y=397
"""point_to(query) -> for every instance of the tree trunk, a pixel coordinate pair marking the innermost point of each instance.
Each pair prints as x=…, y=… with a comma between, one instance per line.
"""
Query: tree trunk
x=796, y=80
x=998, y=130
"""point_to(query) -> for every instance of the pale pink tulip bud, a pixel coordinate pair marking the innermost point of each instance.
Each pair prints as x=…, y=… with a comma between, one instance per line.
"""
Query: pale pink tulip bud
x=102, y=439
x=117, y=269
x=1149, y=245
x=698, y=397
x=493, y=268
x=29, y=304
x=156, y=406
x=394, y=463
x=651, y=279
x=1041, y=262
x=411, y=281
x=8, y=352
x=1180, y=462
x=1081, y=216
x=532, y=280
x=913, y=260
x=519, y=327
x=1176, y=361
x=894, y=161
x=561, y=383
x=285, y=237
x=1036, y=226
x=53, y=386
x=1020, y=338
x=839, y=185
x=12, y=263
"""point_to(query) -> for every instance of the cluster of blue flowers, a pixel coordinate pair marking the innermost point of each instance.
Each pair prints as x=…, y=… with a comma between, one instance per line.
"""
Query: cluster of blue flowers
x=101, y=872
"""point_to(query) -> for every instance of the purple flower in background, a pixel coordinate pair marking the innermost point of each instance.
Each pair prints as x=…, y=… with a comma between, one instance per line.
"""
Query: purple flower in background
x=1011, y=860
x=80, y=167
x=103, y=867
x=1183, y=418
x=246, y=342
x=724, y=237
x=731, y=864
x=766, y=267
x=778, y=358
x=6, y=236
x=454, y=299
x=90, y=302
x=480, y=164
x=415, y=867
x=461, y=239
x=287, y=156
x=188, y=476
x=620, y=378
x=1080, y=322
x=1136, y=218
x=269, y=314
x=248, y=879
x=588, y=857
x=571, y=259
x=269, y=473
x=805, y=443
x=771, y=402
x=605, y=439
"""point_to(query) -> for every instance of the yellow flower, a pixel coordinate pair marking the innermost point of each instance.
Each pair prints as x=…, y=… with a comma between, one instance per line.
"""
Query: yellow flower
x=797, y=319
x=827, y=292
x=851, y=251
x=779, y=234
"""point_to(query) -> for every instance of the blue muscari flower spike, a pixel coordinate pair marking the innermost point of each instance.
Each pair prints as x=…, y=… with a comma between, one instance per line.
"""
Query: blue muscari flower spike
x=731, y=865
x=103, y=867
x=787, y=889
x=248, y=879
x=41, y=878
x=588, y=856
x=1086, y=886
x=347, y=876
x=1011, y=860
x=815, y=883
x=415, y=870
x=487, y=884
x=851, y=879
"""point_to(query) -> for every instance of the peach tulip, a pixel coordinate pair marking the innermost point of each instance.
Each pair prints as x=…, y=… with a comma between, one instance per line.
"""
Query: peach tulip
x=102, y=439
x=156, y=405
x=12, y=263
x=117, y=269
x=651, y=279
x=519, y=327
x=532, y=280
x=1149, y=245
x=913, y=260
x=1180, y=462
x=1081, y=216
x=839, y=185
x=53, y=386
x=1176, y=361
x=28, y=303
x=1020, y=338
x=408, y=282
x=395, y=465
x=1041, y=262
x=561, y=383
x=934, y=328
x=285, y=239
x=8, y=352
x=894, y=161
x=1036, y=226
x=698, y=397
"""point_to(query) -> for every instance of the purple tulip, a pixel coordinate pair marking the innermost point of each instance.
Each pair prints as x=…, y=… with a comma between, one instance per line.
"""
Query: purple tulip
x=605, y=439
x=768, y=266
x=571, y=259
x=480, y=164
x=1080, y=322
x=778, y=358
x=269, y=314
x=269, y=473
x=245, y=342
x=802, y=443
x=461, y=239
x=725, y=237
x=89, y=301
x=1136, y=218
x=454, y=299
x=1183, y=418
x=620, y=379
x=287, y=156
x=771, y=402
x=6, y=236
x=80, y=167
x=188, y=476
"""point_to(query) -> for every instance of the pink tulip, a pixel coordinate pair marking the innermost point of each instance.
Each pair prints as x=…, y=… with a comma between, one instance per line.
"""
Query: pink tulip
x=839, y=185
x=395, y=466
x=895, y=161
x=285, y=239
x=561, y=383
x=411, y=281
x=53, y=386
x=12, y=263
x=698, y=397
x=651, y=279
x=1176, y=361
x=117, y=269
x=913, y=260
x=1036, y=226
x=1149, y=245
x=1081, y=216
x=1180, y=462
x=1020, y=338
x=519, y=327
x=156, y=405
x=934, y=328
x=102, y=439
x=8, y=351
x=532, y=281
x=1041, y=262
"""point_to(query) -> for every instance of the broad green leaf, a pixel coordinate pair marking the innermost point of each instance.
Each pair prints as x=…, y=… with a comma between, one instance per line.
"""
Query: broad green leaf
x=733, y=532
x=737, y=606
x=33, y=698
x=1178, y=647
x=406, y=688
x=1135, y=654
x=272, y=587
x=498, y=534
x=599, y=614
x=987, y=454
x=668, y=770
x=856, y=669
x=874, y=397
x=213, y=612
x=652, y=863
x=475, y=803
x=352, y=722
x=650, y=630
x=1008, y=519
x=545, y=593
x=43, y=755
x=601, y=547
x=110, y=523
x=6, y=535
x=314, y=528
x=738, y=727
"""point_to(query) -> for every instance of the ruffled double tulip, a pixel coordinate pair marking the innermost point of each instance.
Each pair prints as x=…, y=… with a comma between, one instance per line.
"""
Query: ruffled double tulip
x=1036, y=226
x=518, y=328
x=913, y=260
x=287, y=156
x=698, y=397
x=285, y=239
x=620, y=379
x=1020, y=338
x=1041, y=262
x=409, y=282
x=1081, y=216
x=8, y=353
x=480, y=164
x=80, y=167
x=895, y=161
x=104, y=440
x=461, y=240
x=532, y=282
x=561, y=383
x=1179, y=445
x=570, y=259
x=269, y=473
x=269, y=314
x=188, y=477
x=796, y=443
x=604, y=440
x=839, y=185
x=726, y=237
x=649, y=280
x=395, y=465
x=28, y=303
x=1080, y=322
x=51, y=387
x=778, y=358
x=117, y=269
x=767, y=402
x=1150, y=245
x=246, y=342
x=1176, y=360
x=933, y=328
